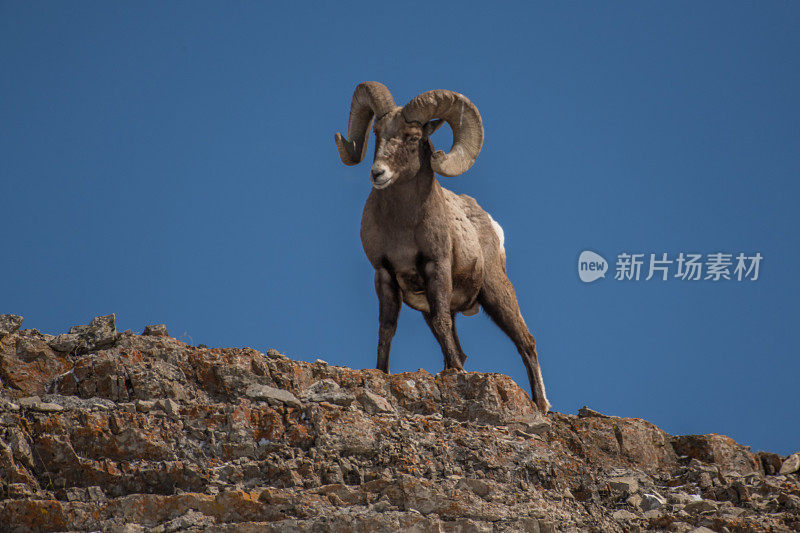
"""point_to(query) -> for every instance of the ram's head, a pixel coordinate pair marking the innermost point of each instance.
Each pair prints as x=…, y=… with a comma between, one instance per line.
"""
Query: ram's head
x=402, y=145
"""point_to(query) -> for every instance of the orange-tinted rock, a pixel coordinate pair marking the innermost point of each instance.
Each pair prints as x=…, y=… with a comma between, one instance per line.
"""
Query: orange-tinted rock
x=28, y=364
x=133, y=431
x=720, y=450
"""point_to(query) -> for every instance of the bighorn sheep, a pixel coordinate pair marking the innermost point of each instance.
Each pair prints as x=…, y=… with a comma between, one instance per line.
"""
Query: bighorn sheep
x=438, y=252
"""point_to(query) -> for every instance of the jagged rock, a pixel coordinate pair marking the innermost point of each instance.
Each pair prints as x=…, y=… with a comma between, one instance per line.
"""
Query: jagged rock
x=156, y=330
x=770, y=462
x=635, y=501
x=652, y=502
x=169, y=406
x=125, y=432
x=66, y=342
x=272, y=353
x=373, y=403
x=585, y=412
x=9, y=324
x=736, y=492
x=31, y=349
x=28, y=364
x=791, y=464
x=720, y=450
x=100, y=333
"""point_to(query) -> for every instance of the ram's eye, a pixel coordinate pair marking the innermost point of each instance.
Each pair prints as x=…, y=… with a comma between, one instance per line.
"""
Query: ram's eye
x=412, y=139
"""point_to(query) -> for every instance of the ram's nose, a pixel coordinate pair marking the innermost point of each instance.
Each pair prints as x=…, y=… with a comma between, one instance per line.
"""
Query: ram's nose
x=377, y=173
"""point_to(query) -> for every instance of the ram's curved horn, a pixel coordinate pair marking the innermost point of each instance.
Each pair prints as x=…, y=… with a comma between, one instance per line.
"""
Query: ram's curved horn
x=369, y=99
x=465, y=121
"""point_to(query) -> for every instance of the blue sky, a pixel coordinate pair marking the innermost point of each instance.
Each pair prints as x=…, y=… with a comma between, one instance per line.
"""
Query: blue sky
x=175, y=164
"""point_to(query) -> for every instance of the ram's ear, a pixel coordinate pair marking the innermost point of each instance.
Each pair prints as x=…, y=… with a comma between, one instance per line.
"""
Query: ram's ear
x=433, y=125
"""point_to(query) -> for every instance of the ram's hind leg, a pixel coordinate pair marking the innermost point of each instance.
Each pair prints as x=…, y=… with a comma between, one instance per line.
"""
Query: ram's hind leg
x=499, y=300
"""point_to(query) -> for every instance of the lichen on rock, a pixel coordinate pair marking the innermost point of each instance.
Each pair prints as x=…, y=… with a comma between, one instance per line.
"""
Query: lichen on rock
x=101, y=430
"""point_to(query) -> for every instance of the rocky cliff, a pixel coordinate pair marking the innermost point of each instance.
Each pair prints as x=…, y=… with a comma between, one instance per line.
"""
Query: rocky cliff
x=101, y=430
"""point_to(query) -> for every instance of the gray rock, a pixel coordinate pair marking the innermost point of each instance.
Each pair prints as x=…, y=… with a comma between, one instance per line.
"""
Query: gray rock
x=624, y=484
x=652, y=502
x=585, y=412
x=478, y=486
x=652, y=514
x=169, y=406
x=31, y=349
x=18, y=491
x=680, y=498
x=9, y=324
x=328, y=391
x=20, y=447
x=191, y=520
x=100, y=333
x=77, y=403
x=28, y=401
x=7, y=405
x=95, y=494
x=623, y=515
x=373, y=403
x=35, y=403
x=546, y=527
x=700, y=506
x=534, y=423
x=145, y=406
x=156, y=330
x=127, y=528
x=770, y=462
x=65, y=342
x=272, y=395
x=383, y=505
x=272, y=353
x=791, y=464
x=635, y=501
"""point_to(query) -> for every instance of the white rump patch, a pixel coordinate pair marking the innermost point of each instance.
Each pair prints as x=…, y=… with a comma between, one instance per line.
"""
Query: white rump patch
x=499, y=231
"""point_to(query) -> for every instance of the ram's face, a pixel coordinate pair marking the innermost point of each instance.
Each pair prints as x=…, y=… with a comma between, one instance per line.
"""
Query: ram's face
x=399, y=150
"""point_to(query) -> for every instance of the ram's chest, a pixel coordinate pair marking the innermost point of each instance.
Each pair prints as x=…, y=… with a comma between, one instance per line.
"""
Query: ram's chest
x=405, y=249
x=405, y=264
x=403, y=258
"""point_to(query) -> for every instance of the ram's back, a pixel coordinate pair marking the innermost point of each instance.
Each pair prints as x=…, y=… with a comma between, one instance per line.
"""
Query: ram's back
x=475, y=228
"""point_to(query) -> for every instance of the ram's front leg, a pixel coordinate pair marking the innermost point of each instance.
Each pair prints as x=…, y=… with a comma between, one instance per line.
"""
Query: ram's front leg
x=439, y=291
x=389, y=302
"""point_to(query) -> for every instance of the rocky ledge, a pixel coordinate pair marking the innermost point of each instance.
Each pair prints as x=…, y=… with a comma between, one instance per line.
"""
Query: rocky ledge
x=101, y=430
